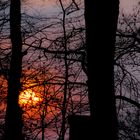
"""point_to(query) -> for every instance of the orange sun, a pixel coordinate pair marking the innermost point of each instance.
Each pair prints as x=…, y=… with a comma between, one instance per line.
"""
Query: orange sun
x=28, y=97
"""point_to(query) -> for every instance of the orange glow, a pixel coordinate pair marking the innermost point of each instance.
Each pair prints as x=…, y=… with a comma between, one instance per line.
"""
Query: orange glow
x=41, y=3
x=28, y=97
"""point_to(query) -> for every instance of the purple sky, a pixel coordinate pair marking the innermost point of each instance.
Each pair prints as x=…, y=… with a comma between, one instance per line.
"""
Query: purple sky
x=127, y=5
x=49, y=6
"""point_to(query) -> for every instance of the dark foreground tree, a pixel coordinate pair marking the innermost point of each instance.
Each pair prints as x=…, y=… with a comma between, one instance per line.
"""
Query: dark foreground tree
x=101, y=23
x=13, y=119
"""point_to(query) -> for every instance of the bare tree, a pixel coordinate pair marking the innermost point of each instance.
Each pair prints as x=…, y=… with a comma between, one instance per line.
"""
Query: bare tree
x=100, y=78
x=127, y=74
x=13, y=119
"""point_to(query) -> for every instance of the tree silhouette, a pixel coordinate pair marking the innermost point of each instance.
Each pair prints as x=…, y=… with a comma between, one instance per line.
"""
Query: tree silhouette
x=13, y=119
x=100, y=41
x=126, y=74
x=49, y=45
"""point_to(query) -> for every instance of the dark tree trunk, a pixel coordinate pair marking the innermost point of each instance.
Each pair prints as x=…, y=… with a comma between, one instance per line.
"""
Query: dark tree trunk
x=13, y=119
x=101, y=23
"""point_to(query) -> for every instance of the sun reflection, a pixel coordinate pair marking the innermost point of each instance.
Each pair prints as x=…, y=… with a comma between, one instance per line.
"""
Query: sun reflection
x=28, y=97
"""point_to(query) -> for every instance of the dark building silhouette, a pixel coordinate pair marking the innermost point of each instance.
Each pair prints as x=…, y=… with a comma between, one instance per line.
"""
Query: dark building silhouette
x=80, y=127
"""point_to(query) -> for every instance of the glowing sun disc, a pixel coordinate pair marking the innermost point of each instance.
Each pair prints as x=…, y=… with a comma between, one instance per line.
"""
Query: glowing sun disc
x=28, y=97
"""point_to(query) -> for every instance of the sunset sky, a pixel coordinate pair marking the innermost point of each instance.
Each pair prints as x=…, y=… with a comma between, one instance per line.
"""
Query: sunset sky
x=128, y=5
x=49, y=6
x=44, y=7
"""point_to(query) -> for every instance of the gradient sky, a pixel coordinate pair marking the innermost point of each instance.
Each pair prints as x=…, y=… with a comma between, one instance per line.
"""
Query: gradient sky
x=50, y=5
x=40, y=6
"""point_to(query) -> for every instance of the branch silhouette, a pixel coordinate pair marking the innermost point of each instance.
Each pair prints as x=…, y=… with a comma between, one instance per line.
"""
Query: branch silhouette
x=128, y=100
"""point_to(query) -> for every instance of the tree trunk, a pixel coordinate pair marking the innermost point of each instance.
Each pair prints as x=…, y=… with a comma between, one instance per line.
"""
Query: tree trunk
x=64, y=106
x=13, y=119
x=101, y=23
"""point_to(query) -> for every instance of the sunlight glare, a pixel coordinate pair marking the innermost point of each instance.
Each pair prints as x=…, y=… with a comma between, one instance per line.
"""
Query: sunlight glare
x=28, y=97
